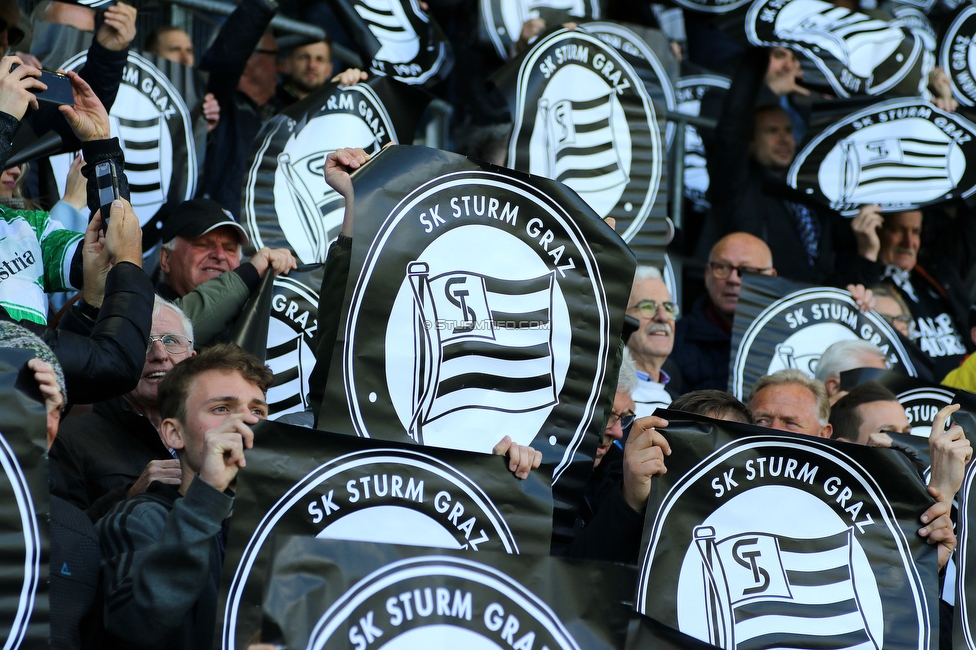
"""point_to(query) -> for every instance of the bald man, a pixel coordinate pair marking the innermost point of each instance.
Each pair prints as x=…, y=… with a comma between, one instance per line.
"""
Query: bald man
x=703, y=337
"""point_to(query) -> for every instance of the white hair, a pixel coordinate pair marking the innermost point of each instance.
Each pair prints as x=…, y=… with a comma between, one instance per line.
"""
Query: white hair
x=845, y=355
x=647, y=273
x=161, y=302
x=627, y=379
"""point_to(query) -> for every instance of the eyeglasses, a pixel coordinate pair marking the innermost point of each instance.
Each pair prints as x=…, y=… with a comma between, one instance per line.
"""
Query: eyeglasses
x=172, y=343
x=722, y=270
x=904, y=320
x=648, y=308
x=626, y=421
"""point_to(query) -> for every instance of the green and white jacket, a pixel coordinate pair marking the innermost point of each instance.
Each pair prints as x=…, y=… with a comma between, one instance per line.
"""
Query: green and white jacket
x=35, y=258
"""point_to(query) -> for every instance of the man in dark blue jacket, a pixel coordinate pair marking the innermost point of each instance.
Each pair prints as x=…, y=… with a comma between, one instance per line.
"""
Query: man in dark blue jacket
x=703, y=337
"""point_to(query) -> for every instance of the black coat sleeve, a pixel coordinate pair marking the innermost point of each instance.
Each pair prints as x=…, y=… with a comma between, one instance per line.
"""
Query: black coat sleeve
x=109, y=362
x=235, y=42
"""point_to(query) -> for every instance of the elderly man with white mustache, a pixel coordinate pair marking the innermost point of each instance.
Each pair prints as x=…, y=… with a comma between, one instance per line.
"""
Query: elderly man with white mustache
x=650, y=303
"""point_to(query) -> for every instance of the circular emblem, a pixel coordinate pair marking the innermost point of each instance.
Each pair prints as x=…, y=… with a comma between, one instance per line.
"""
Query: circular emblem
x=287, y=202
x=15, y=488
x=748, y=580
x=958, y=55
x=585, y=119
x=377, y=496
x=900, y=154
x=857, y=54
x=479, y=338
x=461, y=603
x=154, y=128
x=503, y=19
x=795, y=330
x=691, y=92
x=921, y=405
x=291, y=334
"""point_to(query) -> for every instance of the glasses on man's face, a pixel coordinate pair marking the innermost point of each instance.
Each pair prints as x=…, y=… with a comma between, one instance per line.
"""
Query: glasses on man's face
x=172, y=343
x=648, y=308
x=626, y=420
x=901, y=319
x=722, y=270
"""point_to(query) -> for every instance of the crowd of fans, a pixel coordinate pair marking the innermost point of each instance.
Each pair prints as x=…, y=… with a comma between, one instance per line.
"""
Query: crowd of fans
x=150, y=409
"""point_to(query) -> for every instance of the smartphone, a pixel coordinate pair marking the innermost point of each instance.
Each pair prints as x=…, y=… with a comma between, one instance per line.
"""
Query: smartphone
x=58, y=89
x=108, y=189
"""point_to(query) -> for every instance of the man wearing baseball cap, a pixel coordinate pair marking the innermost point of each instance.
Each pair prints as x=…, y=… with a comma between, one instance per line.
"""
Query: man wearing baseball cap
x=201, y=266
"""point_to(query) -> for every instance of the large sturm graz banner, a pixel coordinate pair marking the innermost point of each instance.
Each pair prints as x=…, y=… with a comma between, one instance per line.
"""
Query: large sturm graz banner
x=489, y=302
x=781, y=324
x=583, y=116
x=24, y=608
x=901, y=154
x=330, y=486
x=502, y=20
x=857, y=54
x=152, y=119
x=755, y=538
x=398, y=38
x=353, y=596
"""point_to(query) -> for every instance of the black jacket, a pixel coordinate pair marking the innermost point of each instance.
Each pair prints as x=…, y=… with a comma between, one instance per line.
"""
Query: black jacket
x=74, y=570
x=701, y=349
x=109, y=361
x=240, y=118
x=102, y=453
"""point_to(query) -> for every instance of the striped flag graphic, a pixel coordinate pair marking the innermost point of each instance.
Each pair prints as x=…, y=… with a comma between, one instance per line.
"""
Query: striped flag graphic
x=772, y=591
x=860, y=43
x=482, y=343
x=140, y=141
x=399, y=42
x=581, y=145
x=892, y=166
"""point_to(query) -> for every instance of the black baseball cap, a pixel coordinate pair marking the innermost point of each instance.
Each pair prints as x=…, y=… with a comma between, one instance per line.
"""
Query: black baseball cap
x=197, y=217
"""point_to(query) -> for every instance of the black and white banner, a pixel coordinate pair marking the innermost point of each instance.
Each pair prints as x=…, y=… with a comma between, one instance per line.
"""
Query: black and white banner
x=317, y=484
x=583, y=116
x=781, y=324
x=502, y=20
x=964, y=628
x=757, y=538
x=489, y=302
x=398, y=38
x=901, y=154
x=921, y=400
x=157, y=117
x=957, y=55
x=357, y=596
x=286, y=202
x=856, y=54
x=24, y=608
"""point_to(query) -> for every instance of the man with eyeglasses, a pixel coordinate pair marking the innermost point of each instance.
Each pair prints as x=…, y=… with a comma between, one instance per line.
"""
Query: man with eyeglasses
x=703, y=336
x=650, y=303
x=115, y=451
